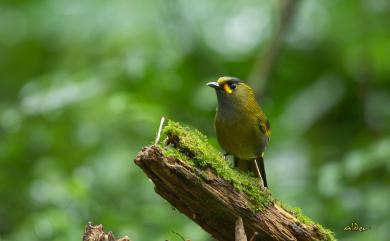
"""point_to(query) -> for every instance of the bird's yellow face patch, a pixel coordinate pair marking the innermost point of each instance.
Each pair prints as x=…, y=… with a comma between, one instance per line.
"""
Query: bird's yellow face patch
x=224, y=82
x=227, y=88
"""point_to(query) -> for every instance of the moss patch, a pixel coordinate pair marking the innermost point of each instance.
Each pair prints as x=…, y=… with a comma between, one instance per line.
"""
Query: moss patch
x=192, y=147
x=297, y=212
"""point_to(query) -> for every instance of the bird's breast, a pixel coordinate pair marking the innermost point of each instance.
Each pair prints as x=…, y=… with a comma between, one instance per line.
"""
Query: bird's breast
x=240, y=135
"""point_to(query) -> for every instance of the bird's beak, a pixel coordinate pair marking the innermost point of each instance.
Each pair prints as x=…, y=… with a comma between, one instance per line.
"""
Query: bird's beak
x=214, y=85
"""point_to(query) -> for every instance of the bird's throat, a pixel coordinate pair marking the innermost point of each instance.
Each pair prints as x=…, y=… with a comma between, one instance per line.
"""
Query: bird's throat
x=228, y=108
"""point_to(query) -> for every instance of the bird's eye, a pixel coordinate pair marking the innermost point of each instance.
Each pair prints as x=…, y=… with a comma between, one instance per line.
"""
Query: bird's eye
x=232, y=86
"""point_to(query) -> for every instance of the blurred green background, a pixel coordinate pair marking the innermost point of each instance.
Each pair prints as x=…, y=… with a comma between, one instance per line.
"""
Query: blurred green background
x=84, y=84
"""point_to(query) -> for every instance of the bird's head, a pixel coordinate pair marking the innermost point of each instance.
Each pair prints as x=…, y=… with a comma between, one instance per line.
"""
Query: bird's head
x=231, y=91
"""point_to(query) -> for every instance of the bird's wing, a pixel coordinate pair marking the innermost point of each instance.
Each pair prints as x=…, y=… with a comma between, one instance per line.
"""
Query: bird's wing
x=265, y=126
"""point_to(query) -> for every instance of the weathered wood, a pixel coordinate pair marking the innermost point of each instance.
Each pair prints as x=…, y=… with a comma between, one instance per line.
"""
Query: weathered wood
x=240, y=231
x=214, y=204
x=96, y=233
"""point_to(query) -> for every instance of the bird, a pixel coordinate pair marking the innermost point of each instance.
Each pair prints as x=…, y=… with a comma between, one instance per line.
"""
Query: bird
x=242, y=127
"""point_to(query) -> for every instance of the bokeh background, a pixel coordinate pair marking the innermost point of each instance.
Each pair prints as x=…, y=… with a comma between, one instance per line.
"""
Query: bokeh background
x=84, y=84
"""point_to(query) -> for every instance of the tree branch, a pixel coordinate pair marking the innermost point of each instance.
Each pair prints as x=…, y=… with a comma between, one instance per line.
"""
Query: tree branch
x=265, y=62
x=192, y=176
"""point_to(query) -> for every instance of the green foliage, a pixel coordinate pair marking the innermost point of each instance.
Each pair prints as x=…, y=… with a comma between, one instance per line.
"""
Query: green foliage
x=83, y=85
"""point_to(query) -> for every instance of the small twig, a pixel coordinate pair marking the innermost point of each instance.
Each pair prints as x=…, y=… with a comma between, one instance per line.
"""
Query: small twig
x=179, y=235
x=258, y=173
x=239, y=230
x=253, y=236
x=159, y=130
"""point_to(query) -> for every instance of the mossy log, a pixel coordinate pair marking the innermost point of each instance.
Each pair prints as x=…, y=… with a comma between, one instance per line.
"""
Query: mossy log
x=194, y=178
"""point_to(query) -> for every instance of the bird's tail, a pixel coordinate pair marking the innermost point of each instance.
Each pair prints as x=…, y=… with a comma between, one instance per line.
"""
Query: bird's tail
x=255, y=166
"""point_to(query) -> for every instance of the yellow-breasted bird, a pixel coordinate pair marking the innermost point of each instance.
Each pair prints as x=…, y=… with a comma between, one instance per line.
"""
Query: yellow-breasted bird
x=242, y=128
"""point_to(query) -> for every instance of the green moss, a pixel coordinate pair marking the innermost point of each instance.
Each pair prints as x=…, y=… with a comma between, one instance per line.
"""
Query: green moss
x=297, y=212
x=192, y=147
